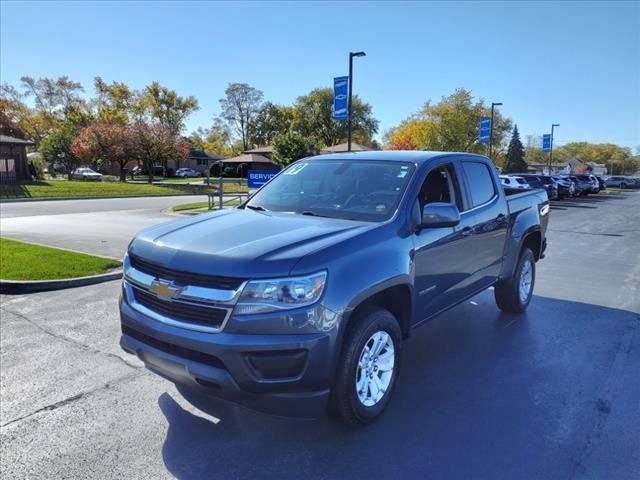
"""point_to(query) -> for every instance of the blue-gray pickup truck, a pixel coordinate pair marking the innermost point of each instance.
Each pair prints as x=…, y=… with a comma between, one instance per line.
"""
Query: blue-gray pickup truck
x=298, y=301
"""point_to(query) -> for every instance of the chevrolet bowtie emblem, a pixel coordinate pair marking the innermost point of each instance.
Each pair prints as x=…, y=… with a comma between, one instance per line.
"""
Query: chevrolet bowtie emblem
x=164, y=289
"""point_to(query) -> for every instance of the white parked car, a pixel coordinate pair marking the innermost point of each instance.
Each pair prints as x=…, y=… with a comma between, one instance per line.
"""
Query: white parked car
x=86, y=174
x=518, y=183
x=187, y=173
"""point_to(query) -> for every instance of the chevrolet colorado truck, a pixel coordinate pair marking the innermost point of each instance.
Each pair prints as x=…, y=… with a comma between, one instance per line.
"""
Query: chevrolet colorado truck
x=298, y=301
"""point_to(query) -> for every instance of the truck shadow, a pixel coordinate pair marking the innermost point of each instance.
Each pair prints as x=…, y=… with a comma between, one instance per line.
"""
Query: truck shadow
x=481, y=395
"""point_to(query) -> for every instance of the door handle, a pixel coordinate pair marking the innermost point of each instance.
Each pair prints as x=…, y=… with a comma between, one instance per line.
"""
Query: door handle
x=466, y=231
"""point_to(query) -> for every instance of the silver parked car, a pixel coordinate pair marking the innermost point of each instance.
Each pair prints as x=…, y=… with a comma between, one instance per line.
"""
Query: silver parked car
x=187, y=173
x=86, y=174
x=620, y=182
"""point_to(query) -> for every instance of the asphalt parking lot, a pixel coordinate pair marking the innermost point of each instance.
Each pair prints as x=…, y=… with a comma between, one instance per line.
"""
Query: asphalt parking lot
x=550, y=394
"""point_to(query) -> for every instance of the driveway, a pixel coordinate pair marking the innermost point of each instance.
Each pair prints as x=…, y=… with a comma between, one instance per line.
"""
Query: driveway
x=551, y=394
x=100, y=226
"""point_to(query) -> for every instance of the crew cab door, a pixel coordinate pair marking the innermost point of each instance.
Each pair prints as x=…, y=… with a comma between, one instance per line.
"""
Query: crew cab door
x=444, y=258
x=488, y=219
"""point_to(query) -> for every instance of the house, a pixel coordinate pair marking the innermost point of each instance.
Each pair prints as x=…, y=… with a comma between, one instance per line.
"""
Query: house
x=264, y=151
x=343, y=147
x=249, y=161
x=198, y=160
x=13, y=159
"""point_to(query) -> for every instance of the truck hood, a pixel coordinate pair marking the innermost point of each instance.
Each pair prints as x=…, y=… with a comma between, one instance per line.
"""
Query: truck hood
x=241, y=242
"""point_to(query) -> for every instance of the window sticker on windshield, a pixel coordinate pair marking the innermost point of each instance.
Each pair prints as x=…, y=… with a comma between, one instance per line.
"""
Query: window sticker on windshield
x=402, y=174
x=296, y=169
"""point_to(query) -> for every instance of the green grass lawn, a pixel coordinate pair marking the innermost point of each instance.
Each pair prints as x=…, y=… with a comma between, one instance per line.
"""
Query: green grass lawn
x=189, y=206
x=24, y=261
x=201, y=207
x=66, y=189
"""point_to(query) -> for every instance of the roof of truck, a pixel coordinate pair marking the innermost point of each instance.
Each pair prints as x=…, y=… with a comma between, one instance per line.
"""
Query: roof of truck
x=413, y=156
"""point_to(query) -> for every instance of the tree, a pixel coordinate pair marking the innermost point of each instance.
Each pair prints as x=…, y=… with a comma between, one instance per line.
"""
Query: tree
x=449, y=125
x=216, y=140
x=42, y=106
x=313, y=117
x=154, y=144
x=291, y=146
x=270, y=120
x=116, y=102
x=514, y=162
x=239, y=108
x=56, y=147
x=107, y=142
x=167, y=107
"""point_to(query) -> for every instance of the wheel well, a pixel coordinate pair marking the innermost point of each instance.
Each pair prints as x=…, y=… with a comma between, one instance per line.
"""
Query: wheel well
x=396, y=300
x=533, y=241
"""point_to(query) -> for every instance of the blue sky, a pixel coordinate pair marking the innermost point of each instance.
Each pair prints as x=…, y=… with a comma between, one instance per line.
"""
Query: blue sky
x=574, y=63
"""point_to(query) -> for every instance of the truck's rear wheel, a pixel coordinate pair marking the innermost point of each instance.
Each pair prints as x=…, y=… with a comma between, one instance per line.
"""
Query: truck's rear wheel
x=368, y=368
x=514, y=294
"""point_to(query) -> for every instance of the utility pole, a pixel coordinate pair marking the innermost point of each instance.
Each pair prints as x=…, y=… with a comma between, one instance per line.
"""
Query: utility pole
x=493, y=105
x=551, y=146
x=351, y=55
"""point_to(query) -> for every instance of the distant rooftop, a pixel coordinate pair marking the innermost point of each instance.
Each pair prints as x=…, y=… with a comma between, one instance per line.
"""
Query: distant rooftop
x=267, y=149
x=15, y=141
x=343, y=147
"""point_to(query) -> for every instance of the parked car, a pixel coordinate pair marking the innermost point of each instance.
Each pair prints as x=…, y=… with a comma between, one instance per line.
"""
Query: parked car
x=592, y=185
x=566, y=187
x=300, y=299
x=518, y=183
x=582, y=186
x=542, y=181
x=187, y=172
x=618, y=182
x=86, y=174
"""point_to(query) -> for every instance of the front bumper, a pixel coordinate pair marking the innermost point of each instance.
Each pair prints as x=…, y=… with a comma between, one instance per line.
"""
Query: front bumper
x=287, y=375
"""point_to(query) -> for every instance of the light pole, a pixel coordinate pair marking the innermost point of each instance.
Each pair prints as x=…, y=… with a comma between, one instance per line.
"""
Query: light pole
x=351, y=55
x=551, y=146
x=493, y=105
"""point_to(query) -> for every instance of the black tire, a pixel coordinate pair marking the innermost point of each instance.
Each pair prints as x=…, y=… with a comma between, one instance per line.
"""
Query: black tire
x=345, y=404
x=507, y=292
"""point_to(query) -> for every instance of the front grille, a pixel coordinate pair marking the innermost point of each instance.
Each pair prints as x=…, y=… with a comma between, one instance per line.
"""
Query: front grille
x=173, y=349
x=185, y=278
x=180, y=311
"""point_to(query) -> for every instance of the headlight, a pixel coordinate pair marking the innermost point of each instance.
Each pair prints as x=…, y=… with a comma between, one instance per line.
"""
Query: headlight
x=260, y=296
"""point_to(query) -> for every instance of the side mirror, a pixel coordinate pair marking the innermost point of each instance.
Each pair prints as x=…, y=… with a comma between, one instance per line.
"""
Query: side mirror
x=438, y=214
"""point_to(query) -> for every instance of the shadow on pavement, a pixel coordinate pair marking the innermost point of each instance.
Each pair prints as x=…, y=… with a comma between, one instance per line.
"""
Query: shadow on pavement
x=481, y=395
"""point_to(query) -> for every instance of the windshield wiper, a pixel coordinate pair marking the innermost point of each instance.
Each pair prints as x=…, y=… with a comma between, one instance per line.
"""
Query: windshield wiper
x=313, y=214
x=259, y=208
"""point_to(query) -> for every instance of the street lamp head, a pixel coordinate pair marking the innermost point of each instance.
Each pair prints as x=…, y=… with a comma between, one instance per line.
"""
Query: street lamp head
x=357, y=54
x=555, y=125
x=496, y=104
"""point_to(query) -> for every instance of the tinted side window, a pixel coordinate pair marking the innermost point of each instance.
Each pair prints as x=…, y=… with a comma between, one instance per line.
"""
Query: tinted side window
x=480, y=182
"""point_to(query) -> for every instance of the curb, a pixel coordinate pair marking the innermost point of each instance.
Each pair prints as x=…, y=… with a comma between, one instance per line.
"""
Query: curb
x=32, y=286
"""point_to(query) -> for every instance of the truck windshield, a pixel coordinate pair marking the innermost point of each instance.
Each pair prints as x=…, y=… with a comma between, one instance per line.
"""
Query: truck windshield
x=348, y=189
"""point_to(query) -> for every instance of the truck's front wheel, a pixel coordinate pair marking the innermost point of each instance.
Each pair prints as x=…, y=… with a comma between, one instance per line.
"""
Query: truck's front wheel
x=368, y=368
x=514, y=294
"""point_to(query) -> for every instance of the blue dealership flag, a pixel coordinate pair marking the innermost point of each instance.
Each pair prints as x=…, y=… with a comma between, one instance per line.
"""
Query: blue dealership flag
x=485, y=130
x=341, y=98
x=546, y=142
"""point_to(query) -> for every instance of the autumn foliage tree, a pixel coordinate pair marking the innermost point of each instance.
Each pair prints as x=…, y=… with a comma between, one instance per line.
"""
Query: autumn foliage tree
x=105, y=142
x=154, y=144
x=450, y=125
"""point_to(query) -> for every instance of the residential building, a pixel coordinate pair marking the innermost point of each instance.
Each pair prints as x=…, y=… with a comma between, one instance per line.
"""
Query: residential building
x=13, y=159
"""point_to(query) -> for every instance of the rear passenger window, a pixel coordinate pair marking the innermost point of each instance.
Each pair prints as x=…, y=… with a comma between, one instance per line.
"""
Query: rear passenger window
x=480, y=182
